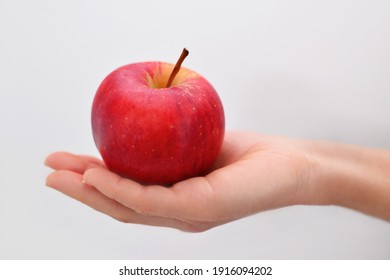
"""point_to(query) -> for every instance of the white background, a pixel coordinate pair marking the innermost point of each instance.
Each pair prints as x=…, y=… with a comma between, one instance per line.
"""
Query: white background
x=309, y=69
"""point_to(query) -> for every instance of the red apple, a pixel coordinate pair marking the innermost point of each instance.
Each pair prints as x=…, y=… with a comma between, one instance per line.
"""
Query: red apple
x=157, y=132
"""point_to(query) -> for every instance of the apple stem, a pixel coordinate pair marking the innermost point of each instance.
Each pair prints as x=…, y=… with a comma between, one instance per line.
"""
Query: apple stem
x=177, y=67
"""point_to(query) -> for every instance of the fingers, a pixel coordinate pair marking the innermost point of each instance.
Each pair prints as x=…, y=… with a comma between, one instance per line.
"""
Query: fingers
x=70, y=183
x=68, y=161
x=149, y=200
x=187, y=205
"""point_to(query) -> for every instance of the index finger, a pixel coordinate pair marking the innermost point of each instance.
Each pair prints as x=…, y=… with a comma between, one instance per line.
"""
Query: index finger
x=72, y=162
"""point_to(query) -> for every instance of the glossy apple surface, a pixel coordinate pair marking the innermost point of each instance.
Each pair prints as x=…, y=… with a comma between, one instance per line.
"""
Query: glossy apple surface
x=154, y=134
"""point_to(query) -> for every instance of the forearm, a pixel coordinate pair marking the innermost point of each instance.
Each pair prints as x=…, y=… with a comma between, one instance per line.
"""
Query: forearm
x=352, y=177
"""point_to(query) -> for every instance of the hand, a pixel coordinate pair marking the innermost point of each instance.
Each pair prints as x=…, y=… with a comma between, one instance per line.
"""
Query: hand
x=253, y=173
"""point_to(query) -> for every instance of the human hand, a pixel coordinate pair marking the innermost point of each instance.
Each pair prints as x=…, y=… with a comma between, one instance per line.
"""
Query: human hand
x=253, y=173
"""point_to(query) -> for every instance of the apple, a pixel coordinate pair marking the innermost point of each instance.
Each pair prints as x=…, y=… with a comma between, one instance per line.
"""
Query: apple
x=157, y=123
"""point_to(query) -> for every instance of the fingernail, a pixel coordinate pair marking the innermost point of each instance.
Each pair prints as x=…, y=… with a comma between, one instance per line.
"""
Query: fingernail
x=47, y=183
x=45, y=162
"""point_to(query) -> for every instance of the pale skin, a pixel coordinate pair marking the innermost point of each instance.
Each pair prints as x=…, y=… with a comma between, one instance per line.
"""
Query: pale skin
x=253, y=173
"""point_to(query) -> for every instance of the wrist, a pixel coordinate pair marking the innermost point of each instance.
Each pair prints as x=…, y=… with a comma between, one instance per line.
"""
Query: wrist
x=350, y=176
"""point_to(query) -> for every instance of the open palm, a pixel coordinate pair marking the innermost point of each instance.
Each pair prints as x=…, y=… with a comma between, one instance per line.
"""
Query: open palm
x=253, y=173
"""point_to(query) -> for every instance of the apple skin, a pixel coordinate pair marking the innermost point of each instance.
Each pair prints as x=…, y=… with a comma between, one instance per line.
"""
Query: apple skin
x=153, y=134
